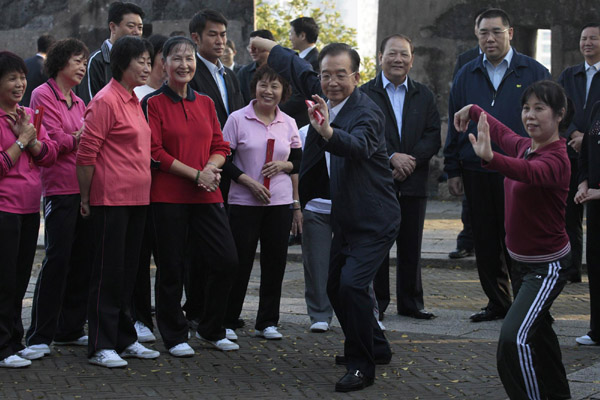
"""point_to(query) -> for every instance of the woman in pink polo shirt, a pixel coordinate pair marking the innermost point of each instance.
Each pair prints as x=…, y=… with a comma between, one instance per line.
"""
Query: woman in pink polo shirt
x=113, y=169
x=255, y=211
x=62, y=285
x=22, y=152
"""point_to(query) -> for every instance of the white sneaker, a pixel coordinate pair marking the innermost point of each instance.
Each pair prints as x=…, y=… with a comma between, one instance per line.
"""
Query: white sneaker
x=231, y=335
x=181, y=350
x=30, y=354
x=586, y=340
x=223, y=344
x=108, y=359
x=14, y=361
x=381, y=326
x=40, y=348
x=269, y=333
x=136, y=350
x=319, y=327
x=82, y=341
x=144, y=333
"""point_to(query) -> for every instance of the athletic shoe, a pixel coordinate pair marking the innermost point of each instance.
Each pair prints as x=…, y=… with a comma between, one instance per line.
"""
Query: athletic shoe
x=319, y=327
x=269, y=333
x=586, y=340
x=231, y=335
x=82, y=341
x=30, y=354
x=144, y=334
x=108, y=359
x=136, y=350
x=223, y=344
x=40, y=348
x=14, y=361
x=181, y=350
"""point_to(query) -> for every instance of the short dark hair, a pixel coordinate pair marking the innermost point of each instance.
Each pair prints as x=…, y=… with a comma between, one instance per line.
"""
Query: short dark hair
x=398, y=36
x=157, y=41
x=177, y=33
x=477, y=15
x=199, y=20
x=553, y=95
x=118, y=9
x=126, y=49
x=44, y=43
x=262, y=33
x=308, y=26
x=176, y=41
x=231, y=45
x=591, y=25
x=269, y=74
x=334, y=49
x=60, y=54
x=10, y=62
x=495, y=13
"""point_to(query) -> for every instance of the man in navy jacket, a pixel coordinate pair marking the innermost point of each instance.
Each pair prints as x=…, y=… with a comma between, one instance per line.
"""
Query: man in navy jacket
x=494, y=81
x=582, y=85
x=412, y=135
x=365, y=214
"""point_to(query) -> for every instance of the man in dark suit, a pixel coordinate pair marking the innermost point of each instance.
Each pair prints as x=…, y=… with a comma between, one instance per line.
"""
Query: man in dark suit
x=208, y=29
x=304, y=32
x=35, y=67
x=365, y=214
x=259, y=58
x=582, y=85
x=412, y=134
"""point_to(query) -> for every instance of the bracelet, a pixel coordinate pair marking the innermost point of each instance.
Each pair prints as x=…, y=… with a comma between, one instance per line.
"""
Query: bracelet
x=31, y=144
x=296, y=201
x=197, y=177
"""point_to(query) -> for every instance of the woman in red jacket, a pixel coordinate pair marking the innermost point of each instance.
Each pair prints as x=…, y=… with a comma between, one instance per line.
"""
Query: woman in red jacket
x=536, y=184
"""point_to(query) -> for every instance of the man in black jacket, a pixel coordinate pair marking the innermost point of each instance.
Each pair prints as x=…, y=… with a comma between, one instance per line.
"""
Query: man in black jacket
x=35, y=67
x=365, y=214
x=123, y=19
x=582, y=85
x=412, y=135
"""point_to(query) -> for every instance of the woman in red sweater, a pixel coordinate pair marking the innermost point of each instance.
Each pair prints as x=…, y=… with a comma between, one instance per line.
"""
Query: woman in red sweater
x=536, y=185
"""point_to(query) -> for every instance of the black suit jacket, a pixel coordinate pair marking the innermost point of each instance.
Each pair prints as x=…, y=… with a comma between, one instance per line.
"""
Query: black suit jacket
x=295, y=106
x=420, y=130
x=464, y=58
x=203, y=82
x=364, y=206
x=573, y=80
x=35, y=77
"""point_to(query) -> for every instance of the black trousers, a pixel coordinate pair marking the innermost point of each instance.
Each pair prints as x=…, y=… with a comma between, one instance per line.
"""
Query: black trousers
x=141, y=305
x=207, y=228
x=351, y=271
x=59, y=305
x=593, y=266
x=464, y=240
x=485, y=194
x=409, y=287
x=117, y=233
x=18, y=240
x=271, y=225
x=529, y=358
x=574, y=224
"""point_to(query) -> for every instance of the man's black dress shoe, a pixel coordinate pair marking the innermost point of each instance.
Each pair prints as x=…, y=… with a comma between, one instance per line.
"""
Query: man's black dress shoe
x=379, y=360
x=418, y=314
x=487, y=315
x=461, y=253
x=352, y=381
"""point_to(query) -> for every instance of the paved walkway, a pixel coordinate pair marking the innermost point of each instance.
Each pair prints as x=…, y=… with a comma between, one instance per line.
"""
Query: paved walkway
x=448, y=357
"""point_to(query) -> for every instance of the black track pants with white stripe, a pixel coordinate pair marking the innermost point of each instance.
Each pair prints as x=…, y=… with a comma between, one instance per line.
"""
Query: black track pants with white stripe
x=529, y=358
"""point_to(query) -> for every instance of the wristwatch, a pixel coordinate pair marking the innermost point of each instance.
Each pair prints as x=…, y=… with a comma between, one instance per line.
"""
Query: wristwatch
x=21, y=145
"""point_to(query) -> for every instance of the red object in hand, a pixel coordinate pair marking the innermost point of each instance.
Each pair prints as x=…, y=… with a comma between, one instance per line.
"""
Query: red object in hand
x=316, y=114
x=269, y=158
x=37, y=118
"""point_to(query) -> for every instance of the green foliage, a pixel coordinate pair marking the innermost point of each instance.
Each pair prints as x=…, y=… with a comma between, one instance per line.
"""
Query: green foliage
x=276, y=18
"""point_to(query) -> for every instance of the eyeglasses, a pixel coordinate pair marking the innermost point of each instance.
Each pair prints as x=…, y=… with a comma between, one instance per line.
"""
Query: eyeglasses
x=483, y=33
x=341, y=77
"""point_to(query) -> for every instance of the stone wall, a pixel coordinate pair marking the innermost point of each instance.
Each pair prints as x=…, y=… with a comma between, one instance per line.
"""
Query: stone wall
x=23, y=21
x=441, y=30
